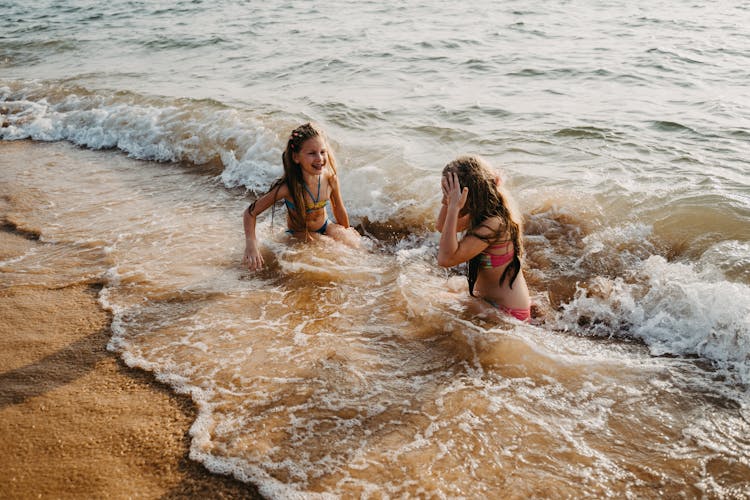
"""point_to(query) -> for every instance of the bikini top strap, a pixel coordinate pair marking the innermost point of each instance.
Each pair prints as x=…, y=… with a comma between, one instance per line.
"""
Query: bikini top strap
x=497, y=246
x=313, y=198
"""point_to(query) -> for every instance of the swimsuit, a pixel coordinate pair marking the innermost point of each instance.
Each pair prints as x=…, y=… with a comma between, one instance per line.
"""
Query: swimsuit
x=523, y=314
x=491, y=260
x=320, y=230
x=309, y=207
x=316, y=204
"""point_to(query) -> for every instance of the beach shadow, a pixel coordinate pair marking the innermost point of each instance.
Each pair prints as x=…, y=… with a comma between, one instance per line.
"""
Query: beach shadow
x=81, y=357
x=53, y=371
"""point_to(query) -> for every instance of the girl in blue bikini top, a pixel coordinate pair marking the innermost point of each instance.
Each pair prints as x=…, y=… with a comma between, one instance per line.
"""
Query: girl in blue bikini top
x=307, y=161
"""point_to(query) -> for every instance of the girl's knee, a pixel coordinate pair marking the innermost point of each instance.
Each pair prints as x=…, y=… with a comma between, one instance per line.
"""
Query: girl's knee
x=347, y=235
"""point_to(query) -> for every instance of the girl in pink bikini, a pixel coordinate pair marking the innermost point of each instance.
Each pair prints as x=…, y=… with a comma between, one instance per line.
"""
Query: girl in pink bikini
x=474, y=202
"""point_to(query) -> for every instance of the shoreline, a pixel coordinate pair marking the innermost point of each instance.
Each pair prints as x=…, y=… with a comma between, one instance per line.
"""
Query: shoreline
x=75, y=421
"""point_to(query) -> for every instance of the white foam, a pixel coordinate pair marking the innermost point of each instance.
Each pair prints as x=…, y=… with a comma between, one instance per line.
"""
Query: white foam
x=626, y=242
x=149, y=129
x=675, y=308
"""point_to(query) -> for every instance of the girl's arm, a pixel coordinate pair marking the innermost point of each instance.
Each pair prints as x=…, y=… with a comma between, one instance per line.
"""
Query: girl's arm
x=252, y=258
x=337, y=203
x=452, y=252
x=463, y=222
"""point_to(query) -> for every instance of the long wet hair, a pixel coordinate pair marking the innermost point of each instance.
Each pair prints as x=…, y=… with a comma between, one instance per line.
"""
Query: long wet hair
x=486, y=200
x=293, y=172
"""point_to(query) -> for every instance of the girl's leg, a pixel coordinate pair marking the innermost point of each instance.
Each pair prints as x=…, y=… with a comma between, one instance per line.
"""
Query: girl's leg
x=346, y=235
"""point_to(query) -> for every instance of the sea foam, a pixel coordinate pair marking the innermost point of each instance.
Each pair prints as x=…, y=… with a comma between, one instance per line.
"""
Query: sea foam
x=674, y=308
x=146, y=128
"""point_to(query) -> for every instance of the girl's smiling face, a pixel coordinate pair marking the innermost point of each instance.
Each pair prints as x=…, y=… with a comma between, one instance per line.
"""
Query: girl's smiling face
x=312, y=155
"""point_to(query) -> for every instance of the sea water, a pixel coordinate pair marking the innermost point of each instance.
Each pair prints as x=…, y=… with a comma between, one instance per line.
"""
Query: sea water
x=622, y=129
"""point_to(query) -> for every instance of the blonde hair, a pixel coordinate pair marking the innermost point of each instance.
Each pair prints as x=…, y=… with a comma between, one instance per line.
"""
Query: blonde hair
x=486, y=200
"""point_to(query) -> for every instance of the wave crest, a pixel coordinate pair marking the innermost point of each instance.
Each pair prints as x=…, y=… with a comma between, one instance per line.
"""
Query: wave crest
x=201, y=132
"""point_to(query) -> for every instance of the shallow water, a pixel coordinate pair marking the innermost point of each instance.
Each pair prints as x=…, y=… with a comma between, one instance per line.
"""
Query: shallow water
x=362, y=371
x=621, y=129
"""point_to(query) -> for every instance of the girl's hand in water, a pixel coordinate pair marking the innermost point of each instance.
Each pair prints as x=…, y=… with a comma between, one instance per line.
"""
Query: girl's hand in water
x=252, y=258
x=454, y=195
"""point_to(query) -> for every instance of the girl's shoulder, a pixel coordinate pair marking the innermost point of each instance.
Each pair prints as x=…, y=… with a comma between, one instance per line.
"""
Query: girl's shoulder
x=329, y=172
x=281, y=191
x=490, y=228
x=331, y=177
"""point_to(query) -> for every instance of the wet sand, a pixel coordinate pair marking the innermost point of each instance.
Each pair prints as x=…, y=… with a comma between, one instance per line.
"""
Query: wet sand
x=75, y=421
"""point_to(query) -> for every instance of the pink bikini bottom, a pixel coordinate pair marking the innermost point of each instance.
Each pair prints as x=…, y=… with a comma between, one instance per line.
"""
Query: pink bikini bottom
x=520, y=314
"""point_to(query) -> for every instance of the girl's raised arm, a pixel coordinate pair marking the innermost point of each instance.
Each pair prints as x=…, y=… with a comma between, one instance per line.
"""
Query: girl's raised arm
x=451, y=251
x=461, y=225
x=462, y=222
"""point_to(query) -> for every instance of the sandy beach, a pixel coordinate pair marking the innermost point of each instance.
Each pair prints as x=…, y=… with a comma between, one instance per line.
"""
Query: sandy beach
x=75, y=421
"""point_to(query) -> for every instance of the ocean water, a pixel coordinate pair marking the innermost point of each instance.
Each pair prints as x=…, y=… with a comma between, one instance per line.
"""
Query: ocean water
x=623, y=130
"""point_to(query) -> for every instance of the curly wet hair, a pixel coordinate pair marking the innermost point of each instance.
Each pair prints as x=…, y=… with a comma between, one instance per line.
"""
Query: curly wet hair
x=486, y=200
